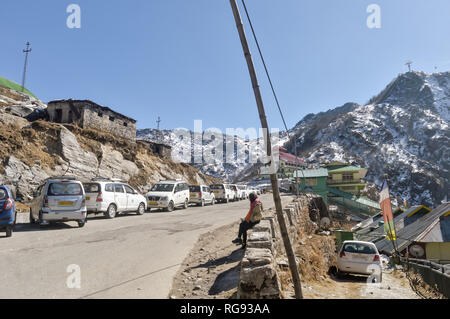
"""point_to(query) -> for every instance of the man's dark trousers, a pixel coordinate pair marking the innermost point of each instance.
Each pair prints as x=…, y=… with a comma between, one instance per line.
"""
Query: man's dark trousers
x=243, y=227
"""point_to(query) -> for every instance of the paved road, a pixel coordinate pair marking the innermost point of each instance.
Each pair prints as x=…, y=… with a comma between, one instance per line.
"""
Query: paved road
x=127, y=257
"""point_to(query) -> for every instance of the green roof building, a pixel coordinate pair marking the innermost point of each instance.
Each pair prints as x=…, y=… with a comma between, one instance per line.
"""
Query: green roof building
x=314, y=181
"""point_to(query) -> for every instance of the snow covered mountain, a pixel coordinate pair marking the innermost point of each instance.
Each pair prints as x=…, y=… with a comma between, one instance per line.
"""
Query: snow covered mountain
x=228, y=167
x=403, y=132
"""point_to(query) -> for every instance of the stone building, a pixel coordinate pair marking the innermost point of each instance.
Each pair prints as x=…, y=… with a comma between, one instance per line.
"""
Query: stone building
x=88, y=114
x=163, y=150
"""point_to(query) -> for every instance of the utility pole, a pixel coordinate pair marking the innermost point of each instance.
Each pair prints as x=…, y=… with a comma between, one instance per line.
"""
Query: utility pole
x=409, y=63
x=273, y=176
x=26, y=51
x=158, y=121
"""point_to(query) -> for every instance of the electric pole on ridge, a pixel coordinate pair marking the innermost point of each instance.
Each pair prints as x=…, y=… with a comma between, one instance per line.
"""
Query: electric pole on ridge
x=26, y=51
x=273, y=176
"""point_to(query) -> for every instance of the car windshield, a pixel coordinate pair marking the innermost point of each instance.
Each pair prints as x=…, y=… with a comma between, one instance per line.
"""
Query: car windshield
x=162, y=188
x=194, y=189
x=3, y=194
x=62, y=189
x=216, y=187
x=91, y=188
x=359, y=248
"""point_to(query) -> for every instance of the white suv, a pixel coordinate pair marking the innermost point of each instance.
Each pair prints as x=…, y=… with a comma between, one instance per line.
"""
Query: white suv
x=224, y=192
x=168, y=195
x=110, y=196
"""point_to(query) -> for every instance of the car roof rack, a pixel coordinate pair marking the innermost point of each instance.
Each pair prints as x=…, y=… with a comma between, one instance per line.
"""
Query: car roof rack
x=68, y=178
x=99, y=179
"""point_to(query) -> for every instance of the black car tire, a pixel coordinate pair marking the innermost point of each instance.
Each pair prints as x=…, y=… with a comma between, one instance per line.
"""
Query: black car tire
x=81, y=223
x=8, y=231
x=111, y=212
x=32, y=220
x=170, y=207
x=141, y=209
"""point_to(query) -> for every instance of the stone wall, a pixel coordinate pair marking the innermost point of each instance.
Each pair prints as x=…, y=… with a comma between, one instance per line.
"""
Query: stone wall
x=87, y=114
x=109, y=121
x=258, y=276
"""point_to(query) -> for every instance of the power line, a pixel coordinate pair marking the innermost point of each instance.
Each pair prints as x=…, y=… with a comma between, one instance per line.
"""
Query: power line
x=273, y=90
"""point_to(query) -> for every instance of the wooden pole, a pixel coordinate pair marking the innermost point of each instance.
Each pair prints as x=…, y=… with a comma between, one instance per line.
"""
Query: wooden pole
x=273, y=176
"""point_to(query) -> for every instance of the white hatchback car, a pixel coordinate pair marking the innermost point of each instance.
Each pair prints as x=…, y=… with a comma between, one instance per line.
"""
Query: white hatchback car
x=243, y=191
x=201, y=195
x=360, y=257
x=59, y=199
x=109, y=197
x=223, y=192
x=169, y=194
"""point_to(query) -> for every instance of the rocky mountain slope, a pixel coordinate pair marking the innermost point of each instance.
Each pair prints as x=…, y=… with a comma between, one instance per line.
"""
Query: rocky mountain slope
x=403, y=132
x=30, y=152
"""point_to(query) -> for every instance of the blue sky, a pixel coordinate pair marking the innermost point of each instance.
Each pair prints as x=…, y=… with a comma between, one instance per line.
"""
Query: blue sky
x=182, y=60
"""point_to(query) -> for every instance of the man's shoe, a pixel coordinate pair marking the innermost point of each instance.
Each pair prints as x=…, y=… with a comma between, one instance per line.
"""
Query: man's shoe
x=244, y=246
x=237, y=241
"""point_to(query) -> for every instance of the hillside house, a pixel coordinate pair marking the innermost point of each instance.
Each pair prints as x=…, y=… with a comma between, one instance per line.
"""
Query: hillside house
x=346, y=178
x=314, y=181
x=427, y=237
x=163, y=150
x=87, y=114
x=287, y=164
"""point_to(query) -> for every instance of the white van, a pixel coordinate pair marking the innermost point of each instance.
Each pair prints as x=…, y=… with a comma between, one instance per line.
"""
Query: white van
x=224, y=192
x=110, y=196
x=169, y=194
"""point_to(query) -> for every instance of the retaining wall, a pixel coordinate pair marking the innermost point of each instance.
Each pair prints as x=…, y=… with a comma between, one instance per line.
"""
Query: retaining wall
x=258, y=275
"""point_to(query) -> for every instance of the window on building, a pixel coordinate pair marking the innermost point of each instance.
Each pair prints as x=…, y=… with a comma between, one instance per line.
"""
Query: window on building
x=311, y=182
x=125, y=124
x=100, y=114
x=111, y=118
x=347, y=177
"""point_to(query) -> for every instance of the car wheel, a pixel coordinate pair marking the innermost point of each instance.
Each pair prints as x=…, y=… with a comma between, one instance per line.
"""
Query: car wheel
x=170, y=207
x=111, y=212
x=81, y=223
x=32, y=220
x=141, y=209
x=186, y=204
x=9, y=231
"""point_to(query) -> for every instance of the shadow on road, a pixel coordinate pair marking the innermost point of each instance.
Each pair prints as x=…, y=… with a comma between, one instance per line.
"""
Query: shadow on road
x=22, y=228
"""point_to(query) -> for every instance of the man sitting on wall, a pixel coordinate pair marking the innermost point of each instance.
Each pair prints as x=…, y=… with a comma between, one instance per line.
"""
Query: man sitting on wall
x=253, y=218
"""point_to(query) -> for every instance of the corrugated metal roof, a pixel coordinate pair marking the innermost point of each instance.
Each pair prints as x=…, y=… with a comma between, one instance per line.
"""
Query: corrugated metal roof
x=399, y=219
x=310, y=173
x=412, y=231
x=346, y=169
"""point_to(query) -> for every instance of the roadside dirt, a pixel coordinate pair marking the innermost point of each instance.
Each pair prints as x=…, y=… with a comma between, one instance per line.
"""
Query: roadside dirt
x=211, y=270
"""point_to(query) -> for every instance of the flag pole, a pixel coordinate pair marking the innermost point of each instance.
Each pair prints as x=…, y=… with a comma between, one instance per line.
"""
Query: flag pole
x=392, y=233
